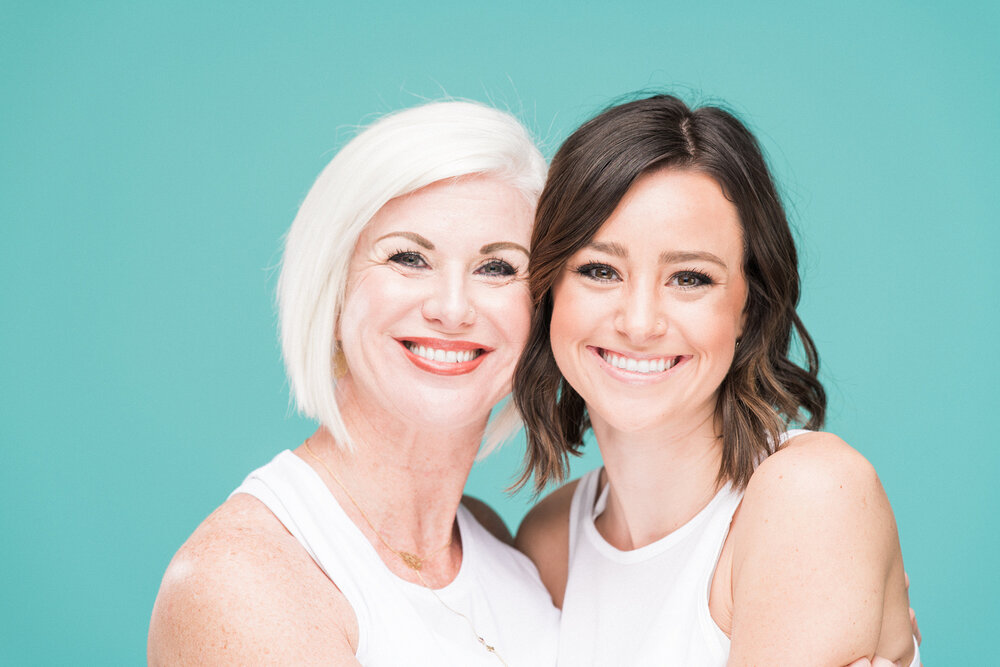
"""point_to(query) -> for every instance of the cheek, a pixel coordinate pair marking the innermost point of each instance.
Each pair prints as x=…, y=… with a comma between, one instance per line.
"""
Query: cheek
x=510, y=308
x=571, y=313
x=715, y=326
x=370, y=304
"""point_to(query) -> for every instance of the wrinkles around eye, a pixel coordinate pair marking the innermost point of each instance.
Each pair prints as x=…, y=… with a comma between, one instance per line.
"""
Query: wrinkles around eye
x=409, y=259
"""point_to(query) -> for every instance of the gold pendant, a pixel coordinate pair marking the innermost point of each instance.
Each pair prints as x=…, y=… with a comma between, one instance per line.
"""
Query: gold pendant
x=413, y=561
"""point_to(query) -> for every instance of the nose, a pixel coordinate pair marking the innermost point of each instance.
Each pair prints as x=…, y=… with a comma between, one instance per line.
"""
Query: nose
x=641, y=316
x=449, y=303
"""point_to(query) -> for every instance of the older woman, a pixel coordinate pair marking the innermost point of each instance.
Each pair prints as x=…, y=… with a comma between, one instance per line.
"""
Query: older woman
x=666, y=282
x=404, y=306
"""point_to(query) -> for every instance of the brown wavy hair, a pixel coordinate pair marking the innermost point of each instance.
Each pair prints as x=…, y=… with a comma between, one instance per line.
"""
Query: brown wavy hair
x=764, y=389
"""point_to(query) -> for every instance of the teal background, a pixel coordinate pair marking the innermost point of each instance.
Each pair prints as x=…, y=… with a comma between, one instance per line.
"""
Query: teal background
x=153, y=154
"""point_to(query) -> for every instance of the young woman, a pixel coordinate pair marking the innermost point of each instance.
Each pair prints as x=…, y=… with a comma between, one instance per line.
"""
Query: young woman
x=665, y=282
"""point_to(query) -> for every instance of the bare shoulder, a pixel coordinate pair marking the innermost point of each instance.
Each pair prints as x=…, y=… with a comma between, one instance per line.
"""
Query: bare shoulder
x=489, y=519
x=816, y=565
x=242, y=590
x=817, y=465
x=819, y=484
x=544, y=537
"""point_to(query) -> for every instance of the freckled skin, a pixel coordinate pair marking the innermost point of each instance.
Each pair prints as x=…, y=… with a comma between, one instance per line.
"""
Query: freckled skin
x=242, y=588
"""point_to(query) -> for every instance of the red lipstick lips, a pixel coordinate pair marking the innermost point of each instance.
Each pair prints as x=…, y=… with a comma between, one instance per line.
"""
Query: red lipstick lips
x=444, y=357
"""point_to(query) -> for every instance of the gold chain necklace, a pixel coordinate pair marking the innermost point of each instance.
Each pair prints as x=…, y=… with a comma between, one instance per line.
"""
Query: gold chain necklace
x=411, y=560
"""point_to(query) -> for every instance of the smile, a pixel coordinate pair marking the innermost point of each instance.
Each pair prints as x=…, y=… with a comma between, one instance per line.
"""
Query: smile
x=647, y=366
x=444, y=357
x=447, y=356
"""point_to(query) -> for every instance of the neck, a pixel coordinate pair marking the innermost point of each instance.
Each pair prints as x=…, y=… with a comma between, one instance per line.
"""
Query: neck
x=658, y=479
x=407, y=480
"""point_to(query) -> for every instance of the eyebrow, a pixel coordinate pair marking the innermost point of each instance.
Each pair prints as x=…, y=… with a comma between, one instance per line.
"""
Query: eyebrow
x=490, y=248
x=669, y=257
x=675, y=256
x=416, y=238
x=616, y=249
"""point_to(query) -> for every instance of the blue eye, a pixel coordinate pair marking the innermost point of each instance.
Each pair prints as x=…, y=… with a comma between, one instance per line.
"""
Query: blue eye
x=409, y=259
x=497, y=268
x=599, y=272
x=691, y=279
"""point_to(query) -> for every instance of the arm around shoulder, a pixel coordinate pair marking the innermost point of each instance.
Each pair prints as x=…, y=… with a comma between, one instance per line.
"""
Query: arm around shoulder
x=817, y=569
x=237, y=592
x=544, y=537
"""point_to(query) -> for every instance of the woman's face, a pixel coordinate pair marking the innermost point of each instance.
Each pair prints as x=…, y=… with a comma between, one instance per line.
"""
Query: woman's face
x=646, y=316
x=437, y=304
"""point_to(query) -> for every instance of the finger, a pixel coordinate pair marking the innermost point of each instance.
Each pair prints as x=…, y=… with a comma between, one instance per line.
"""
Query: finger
x=883, y=662
x=862, y=662
x=906, y=578
x=916, y=628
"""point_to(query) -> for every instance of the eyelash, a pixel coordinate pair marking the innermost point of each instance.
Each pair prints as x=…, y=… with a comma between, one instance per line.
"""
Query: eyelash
x=588, y=271
x=398, y=255
x=703, y=279
x=507, y=269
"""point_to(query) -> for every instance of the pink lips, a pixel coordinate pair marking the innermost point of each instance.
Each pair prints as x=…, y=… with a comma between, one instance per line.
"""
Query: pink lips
x=637, y=377
x=438, y=367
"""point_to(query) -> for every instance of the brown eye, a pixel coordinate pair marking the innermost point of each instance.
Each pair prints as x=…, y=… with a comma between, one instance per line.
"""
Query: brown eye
x=599, y=272
x=691, y=279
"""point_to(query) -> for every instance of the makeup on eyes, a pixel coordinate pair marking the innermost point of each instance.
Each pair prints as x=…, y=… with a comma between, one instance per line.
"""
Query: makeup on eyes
x=406, y=257
x=415, y=260
x=508, y=269
x=605, y=273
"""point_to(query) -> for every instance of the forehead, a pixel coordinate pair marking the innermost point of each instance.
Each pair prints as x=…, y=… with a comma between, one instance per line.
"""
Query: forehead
x=676, y=209
x=471, y=206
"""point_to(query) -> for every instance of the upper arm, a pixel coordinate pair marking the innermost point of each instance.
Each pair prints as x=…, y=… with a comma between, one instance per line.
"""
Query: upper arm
x=489, y=519
x=814, y=561
x=239, y=594
x=544, y=537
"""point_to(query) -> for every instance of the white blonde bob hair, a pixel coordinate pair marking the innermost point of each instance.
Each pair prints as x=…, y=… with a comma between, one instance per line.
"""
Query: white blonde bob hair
x=398, y=154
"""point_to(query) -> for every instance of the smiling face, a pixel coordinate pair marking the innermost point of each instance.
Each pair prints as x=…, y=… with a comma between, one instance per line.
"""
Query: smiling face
x=646, y=316
x=437, y=304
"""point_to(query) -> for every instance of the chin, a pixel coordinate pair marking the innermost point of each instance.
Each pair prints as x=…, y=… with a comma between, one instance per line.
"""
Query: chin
x=446, y=412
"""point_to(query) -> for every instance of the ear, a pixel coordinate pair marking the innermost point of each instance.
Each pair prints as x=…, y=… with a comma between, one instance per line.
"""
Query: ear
x=744, y=314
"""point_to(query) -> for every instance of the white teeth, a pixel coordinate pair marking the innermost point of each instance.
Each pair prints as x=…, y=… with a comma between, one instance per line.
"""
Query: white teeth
x=639, y=365
x=445, y=356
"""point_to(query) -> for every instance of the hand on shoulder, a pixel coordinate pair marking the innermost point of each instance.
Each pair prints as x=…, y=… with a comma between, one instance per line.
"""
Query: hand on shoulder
x=242, y=590
x=543, y=536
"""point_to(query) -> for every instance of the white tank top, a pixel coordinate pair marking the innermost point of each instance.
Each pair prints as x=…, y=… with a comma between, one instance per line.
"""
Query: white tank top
x=648, y=606
x=400, y=623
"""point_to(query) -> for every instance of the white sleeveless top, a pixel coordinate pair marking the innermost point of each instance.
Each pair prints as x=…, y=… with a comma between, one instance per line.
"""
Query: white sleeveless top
x=648, y=606
x=400, y=623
